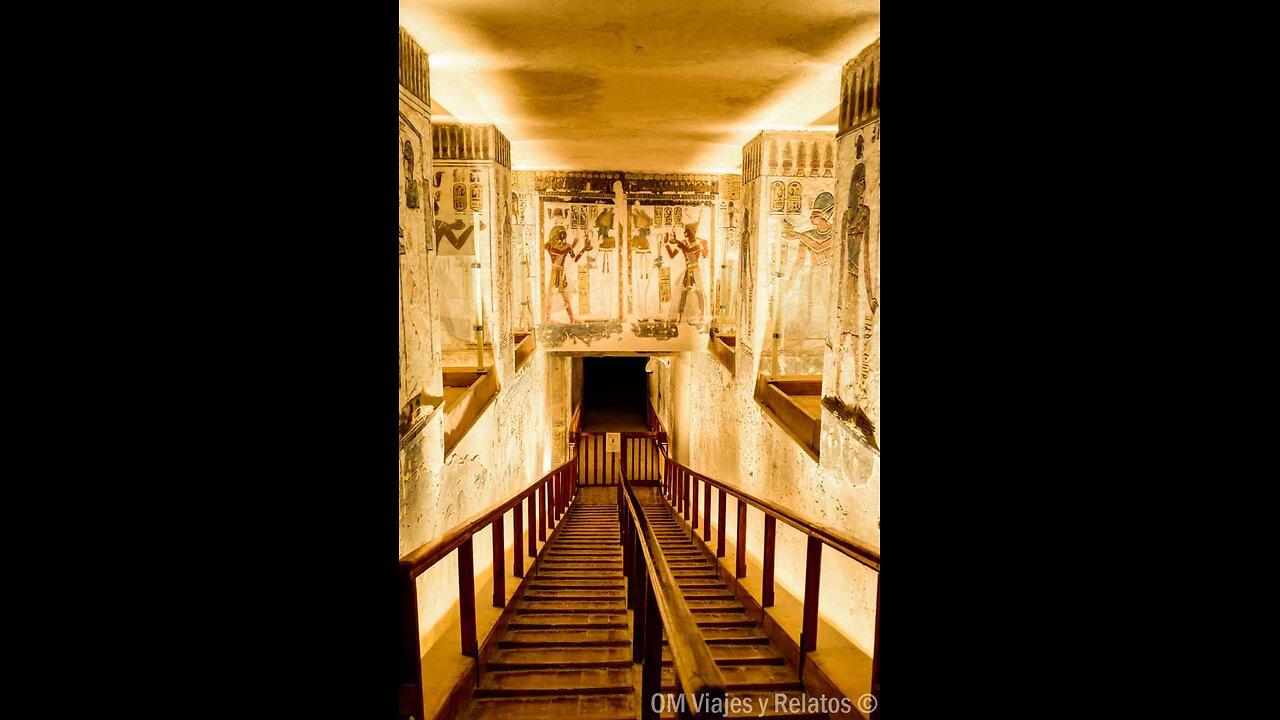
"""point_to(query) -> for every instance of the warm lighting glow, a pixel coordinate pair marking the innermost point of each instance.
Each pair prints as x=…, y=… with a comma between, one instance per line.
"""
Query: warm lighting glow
x=579, y=86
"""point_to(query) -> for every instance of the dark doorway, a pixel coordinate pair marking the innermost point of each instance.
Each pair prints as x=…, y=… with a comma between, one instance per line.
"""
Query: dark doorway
x=614, y=391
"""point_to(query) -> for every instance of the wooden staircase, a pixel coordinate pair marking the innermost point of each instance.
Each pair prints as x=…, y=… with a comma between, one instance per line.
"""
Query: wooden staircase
x=753, y=669
x=566, y=653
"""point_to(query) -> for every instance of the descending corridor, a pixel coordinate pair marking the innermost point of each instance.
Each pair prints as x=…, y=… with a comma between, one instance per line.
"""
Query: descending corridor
x=753, y=669
x=567, y=650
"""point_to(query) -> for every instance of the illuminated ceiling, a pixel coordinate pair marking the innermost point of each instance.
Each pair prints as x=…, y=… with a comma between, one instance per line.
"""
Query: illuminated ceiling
x=634, y=84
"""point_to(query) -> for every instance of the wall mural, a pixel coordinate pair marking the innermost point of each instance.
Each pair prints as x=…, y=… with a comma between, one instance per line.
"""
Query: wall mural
x=728, y=221
x=788, y=224
x=418, y=371
x=458, y=222
x=854, y=372
x=625, y=259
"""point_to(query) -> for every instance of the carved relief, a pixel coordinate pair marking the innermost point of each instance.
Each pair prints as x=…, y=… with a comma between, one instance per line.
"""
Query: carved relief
x=777, y=194
x=555, y=335
x=793, y=197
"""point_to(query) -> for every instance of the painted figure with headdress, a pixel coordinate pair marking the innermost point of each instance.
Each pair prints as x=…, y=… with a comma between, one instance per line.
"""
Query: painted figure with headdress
x=604, y=223
x=558, y=247
x=819, y=241
x=804, y=295
x=693, y=250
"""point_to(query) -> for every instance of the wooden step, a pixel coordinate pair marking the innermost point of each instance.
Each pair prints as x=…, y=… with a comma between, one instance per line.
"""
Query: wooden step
x=571, y=606
x=576, y=594
x=581, y=621
x=594, y=681
x=747, y=677
x=606, y=551
x=568, y=657
x=586, y=707
x=699, y=583
x=554, y=575
x=713, y=605
x=745, y=635
x=565, y=565
x=564, y=638
x=724, y=619
x=737, y=655
x=710, y=593
x=536, y=584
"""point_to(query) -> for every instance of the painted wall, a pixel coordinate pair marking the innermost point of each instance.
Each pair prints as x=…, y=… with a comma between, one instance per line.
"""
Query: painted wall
x=615, y=283
x=520, y=436
x=727, y=254
x=419, y=341
x=851, y=376
x=509, y=447
x=842, y=488
x=792, y=234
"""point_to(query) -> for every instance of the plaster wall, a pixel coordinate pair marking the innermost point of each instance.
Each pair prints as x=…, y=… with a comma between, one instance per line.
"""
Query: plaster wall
x=791, y=254
x=841, y=491
x=509, y=447
x=419, y=333
x=851, y=375
x=842, y=488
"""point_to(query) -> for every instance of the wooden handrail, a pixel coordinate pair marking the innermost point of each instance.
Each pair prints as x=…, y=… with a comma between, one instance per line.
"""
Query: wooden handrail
x=830, y=536
x=697, y=675
x=419, y=561
x=827, y=535
x=680, y=490
x=549, y=499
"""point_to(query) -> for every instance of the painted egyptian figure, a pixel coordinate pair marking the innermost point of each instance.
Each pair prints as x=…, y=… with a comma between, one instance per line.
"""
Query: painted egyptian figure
x=819, y=241
x=558, y=248
x=693, y=251
x=857, y=223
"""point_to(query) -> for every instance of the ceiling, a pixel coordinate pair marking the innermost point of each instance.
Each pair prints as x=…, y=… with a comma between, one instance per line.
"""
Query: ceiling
x=638, y=85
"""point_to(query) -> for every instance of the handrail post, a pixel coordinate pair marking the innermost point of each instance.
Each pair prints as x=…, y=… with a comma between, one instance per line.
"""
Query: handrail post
x=553, y=502
x=770, y=541
x=636, y=593
x=689, y=508
x=706, y=511
x=517, y=537
x=651, y=670
x=693, y=504
x=411, y=701
x=533, y=527
x=546, y=505
x=499, y=564
x=721, y=530
x=875, y=657
x=542, y=517
x=637, y=576
x=467, y=598
x=628, y=549
x=741, y=569
x=812, y=573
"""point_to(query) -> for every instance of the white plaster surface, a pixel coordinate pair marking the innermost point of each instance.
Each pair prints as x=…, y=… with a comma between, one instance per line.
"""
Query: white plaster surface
x=841, y=491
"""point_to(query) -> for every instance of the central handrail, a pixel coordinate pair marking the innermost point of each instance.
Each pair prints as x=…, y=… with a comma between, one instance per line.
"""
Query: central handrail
x=680, y=490
x=698, y=678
